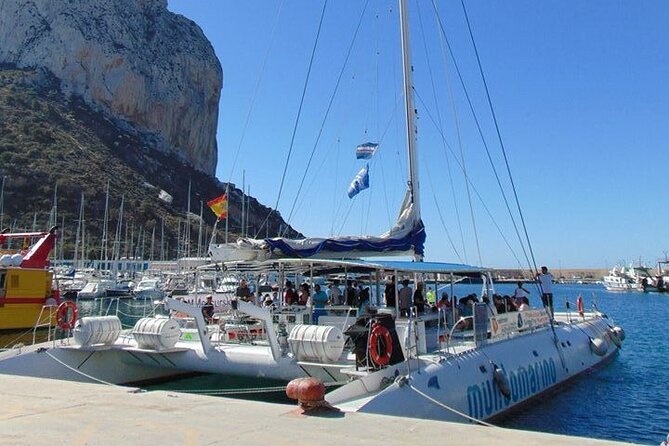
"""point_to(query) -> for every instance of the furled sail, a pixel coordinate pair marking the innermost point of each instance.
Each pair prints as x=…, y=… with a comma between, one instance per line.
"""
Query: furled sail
x=407, y=237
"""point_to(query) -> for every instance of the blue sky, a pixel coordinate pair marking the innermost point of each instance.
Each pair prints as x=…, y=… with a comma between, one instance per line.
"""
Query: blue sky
x=579, y=89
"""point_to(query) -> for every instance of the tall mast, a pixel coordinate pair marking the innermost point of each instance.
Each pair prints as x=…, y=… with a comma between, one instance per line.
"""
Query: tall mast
x=187, y=235
x=414, y=185
x=409, y=109
x=104, y=254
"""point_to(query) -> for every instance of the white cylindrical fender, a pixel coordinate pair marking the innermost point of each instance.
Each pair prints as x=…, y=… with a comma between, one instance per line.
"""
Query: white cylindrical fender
x=156, y=333
x=620, y=332
x=614, y=338
x=97, y=330
x=321, y=343
x=599, y=346
x=501, y=381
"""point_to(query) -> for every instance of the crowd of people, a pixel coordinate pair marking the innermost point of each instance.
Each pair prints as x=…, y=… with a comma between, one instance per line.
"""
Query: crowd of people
x=414, y=301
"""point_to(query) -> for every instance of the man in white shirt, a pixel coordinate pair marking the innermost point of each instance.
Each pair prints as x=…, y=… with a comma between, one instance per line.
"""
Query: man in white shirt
x=545, y=280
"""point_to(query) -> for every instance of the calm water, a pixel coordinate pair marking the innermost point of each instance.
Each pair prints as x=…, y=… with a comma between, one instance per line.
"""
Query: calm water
x=626, y=400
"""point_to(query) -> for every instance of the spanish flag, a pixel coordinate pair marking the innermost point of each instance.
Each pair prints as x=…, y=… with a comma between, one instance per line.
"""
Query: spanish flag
x=219, y=206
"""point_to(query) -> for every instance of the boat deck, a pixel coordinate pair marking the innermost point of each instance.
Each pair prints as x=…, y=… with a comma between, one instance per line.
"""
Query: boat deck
x=43, y=411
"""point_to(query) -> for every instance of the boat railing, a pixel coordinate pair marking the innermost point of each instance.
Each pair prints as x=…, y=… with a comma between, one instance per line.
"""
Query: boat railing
x=50, y=311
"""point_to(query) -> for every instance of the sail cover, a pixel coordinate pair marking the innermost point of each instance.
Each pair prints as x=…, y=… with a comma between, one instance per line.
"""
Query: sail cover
x=407, y=237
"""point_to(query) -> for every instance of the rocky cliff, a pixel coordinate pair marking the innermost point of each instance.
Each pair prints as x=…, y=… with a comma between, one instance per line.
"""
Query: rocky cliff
x=151, y=70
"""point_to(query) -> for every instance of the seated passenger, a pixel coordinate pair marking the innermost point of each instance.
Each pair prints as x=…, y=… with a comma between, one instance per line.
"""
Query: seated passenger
x=524, y=304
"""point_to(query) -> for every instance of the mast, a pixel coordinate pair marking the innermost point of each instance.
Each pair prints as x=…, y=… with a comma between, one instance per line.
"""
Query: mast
x=104, y=254
x=2, y=202
x=243, y=201
x=187, y=235
x=414, y=185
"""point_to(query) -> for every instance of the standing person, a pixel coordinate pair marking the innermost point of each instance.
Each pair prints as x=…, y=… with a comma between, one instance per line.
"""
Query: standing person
x=304, y=294
x=431, y=296
x=319, y=299
x=545, y=280
x=389, y=293
x=351, y=294
x=419, y=299
x=208, y=309
x=290, y=296
x=405, y=298
x=335, y=294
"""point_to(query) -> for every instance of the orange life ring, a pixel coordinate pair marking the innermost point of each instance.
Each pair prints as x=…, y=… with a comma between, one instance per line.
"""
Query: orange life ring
x=579, y=306
x=67, y=314
x=380, y=332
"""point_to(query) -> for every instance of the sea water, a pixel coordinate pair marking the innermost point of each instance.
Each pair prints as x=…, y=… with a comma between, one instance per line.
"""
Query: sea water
x=625, y=400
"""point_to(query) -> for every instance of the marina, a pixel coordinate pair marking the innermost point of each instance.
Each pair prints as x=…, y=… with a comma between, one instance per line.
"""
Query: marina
x=362, y=320
x=636, y=420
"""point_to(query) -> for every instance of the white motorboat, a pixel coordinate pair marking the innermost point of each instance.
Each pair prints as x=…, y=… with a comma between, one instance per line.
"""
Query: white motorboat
x=622, y=279
x=148, y=288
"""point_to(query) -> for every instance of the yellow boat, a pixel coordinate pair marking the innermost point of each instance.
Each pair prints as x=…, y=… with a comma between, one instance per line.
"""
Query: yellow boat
x=26, y=281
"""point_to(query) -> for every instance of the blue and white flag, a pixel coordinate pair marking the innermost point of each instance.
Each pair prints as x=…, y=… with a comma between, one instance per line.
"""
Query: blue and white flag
x=366, y=151
x=360, y=182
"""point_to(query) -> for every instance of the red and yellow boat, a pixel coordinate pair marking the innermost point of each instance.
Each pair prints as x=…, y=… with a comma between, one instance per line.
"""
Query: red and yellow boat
x=25, y=280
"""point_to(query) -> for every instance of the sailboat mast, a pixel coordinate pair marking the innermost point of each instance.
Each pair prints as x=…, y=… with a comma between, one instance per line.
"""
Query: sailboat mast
x=409, y=109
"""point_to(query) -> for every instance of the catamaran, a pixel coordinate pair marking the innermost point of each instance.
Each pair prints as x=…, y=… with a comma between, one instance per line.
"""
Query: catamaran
x=385, y=359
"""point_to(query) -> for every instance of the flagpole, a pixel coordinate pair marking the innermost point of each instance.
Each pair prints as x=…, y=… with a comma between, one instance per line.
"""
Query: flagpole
x=227, y=194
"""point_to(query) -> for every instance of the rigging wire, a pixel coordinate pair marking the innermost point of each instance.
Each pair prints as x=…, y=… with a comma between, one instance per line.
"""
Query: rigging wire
x=476, y=192
x=441, y=216
x=329, y=107
x=480, y=131
x=297, y=120
x=499, y=136
x=448, y=165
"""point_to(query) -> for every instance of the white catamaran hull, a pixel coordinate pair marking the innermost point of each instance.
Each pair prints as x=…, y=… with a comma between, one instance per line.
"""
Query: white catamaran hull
x=438, y=387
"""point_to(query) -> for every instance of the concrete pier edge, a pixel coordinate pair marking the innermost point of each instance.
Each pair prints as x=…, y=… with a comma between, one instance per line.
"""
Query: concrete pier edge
x=36, y=411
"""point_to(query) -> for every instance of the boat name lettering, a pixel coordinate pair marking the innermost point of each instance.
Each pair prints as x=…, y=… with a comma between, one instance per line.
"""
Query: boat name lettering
x=486, y=399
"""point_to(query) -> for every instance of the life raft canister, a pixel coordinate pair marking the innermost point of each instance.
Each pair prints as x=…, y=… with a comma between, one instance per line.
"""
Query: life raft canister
x=380, y=333
x=67, y=314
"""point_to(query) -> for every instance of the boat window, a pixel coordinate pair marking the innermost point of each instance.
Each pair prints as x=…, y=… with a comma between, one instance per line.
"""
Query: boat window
x=2, y=280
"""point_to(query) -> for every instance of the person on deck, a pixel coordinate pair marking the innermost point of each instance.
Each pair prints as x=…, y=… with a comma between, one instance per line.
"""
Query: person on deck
x=405, y=298
x=335, y=294
x=290, y=296
x=243, y=292
x=545, y=280
x=419, y=299
x=389, y=293
x=520, y=291
x=303, y=298
x=431, y=296
x=351, y=294
x=319, y=299
x=524, y=304
x=208, y=309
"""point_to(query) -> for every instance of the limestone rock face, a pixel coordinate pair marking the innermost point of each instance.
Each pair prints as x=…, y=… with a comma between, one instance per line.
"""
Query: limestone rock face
x=131, y=58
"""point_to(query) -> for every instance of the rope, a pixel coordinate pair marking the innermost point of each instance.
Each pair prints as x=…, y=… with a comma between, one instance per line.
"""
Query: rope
x=244, y=391
x=480, y=131
x=455, y=411
x=499, y=136
x=297, y=120
x=79, y=371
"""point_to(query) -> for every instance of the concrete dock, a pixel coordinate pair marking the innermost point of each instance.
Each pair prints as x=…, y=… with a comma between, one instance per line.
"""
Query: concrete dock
x=37, y=411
